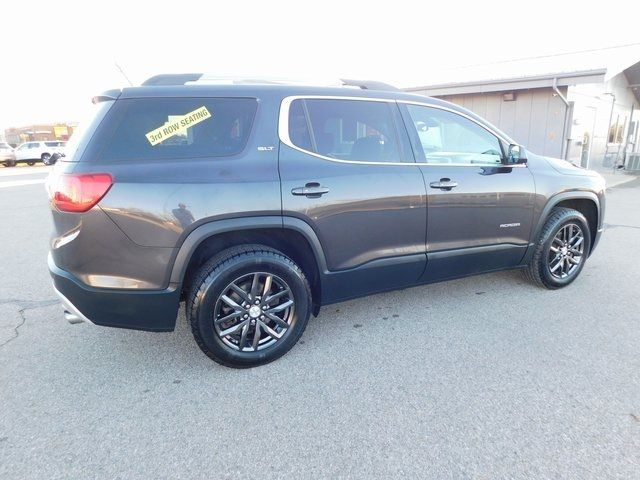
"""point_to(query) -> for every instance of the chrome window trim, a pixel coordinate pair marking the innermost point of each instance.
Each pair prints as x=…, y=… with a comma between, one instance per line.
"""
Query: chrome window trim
x=283, y=131
x=283, y=126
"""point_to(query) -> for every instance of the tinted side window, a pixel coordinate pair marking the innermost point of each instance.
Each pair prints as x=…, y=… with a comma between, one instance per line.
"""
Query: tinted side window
x=162, y=128
x=299, y=126
x=449, y=138
x=346, y=129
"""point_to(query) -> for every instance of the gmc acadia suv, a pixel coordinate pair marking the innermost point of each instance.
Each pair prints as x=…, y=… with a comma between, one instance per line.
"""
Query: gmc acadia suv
x=256, y=203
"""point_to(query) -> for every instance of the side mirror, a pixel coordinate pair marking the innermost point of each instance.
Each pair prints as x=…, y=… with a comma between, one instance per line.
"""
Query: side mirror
x=516, y=155
x=424, y=125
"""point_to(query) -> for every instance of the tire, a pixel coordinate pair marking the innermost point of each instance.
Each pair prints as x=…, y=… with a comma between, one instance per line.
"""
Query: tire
x=45, y=158
x=31, y=163
x=553, y=263
x=10, y=163
x=240, y=266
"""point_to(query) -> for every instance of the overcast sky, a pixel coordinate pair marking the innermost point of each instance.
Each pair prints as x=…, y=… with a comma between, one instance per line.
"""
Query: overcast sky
x=57, y=55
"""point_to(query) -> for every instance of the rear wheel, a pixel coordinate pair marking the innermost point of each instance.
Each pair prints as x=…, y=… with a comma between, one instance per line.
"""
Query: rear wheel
x=561, y=250
x=248, y=306
x=31, y=163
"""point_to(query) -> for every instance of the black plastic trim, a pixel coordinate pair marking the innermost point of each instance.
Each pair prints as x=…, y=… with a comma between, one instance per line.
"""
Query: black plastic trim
x=449, y=264
x=207, y=230
x=150, y=310
x=551, y=203
x=201, y=233
x=380, y=275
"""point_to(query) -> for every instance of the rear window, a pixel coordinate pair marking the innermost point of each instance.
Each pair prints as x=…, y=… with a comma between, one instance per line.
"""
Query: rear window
x=91, y=118
x=52, y=144
x=164, y=128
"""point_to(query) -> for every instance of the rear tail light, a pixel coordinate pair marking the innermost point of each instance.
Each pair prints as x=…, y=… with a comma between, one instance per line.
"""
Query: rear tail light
x=79, y=193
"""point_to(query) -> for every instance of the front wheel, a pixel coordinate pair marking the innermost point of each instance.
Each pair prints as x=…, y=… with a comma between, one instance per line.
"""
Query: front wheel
x=45, y=158
x=10, y=163
x=31, y=163
x=248, y=306
x=561, y=250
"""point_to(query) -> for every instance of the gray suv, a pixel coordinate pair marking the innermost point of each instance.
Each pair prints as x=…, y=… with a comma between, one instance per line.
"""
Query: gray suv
x=256, y=203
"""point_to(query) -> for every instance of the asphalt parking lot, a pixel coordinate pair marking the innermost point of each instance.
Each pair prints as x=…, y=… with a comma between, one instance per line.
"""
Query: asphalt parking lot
x=483, y=378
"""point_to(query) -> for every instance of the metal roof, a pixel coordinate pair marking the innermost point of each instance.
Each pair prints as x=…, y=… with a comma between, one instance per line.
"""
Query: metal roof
x=588, y=66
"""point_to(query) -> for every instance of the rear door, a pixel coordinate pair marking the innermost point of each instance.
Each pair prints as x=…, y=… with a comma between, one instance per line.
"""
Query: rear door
x=480, y=210
x=347, y=170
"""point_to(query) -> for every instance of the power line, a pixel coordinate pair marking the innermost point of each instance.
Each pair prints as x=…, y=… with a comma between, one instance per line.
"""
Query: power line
x=534, y=57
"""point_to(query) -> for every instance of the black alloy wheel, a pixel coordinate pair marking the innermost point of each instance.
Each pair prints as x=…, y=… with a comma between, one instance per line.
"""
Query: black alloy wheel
x=248, y=305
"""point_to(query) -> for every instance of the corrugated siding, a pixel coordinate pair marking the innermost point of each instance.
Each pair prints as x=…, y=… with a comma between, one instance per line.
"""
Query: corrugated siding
x=535, y=119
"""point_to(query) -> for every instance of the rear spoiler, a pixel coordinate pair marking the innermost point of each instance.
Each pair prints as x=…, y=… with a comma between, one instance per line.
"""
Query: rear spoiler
x=106, y=96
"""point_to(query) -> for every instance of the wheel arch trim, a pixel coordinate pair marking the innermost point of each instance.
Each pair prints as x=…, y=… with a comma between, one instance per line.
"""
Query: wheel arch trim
x=552, y=202
x=215, y=227
x=563, y=196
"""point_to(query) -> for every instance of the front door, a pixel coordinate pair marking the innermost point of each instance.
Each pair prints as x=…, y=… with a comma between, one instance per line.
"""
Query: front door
x=346, y=169
x=582, y=128
x=480, y=210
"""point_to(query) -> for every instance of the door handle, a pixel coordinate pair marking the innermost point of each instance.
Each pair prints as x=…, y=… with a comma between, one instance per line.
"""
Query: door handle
x=311, y=190
x=444, y=184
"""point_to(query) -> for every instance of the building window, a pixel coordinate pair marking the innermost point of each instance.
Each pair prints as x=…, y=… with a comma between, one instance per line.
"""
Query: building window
x=616, y=130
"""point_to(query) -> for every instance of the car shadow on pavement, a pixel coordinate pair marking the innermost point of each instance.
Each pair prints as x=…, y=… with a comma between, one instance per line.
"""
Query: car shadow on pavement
x=336, y=330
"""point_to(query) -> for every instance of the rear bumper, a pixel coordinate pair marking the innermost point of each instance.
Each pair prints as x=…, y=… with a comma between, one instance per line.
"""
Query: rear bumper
x=150, y=310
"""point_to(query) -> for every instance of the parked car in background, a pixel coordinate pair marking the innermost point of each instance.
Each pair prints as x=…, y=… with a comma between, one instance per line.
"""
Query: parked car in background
x=7, y=156
x=31, y=152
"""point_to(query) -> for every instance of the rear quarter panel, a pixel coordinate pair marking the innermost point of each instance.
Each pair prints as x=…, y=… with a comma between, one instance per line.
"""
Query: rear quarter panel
x=157, y=203
x=130, y=238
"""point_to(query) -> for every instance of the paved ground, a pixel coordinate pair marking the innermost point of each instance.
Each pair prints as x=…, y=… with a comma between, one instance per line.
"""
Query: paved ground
x=484, y=378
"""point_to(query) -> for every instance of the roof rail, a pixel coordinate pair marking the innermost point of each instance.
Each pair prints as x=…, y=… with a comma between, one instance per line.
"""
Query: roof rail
x=368, y=84
x=171, y=79
x=185, y=78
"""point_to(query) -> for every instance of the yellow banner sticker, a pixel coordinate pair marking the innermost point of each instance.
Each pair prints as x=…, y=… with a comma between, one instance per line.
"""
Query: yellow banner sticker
x=177, y=125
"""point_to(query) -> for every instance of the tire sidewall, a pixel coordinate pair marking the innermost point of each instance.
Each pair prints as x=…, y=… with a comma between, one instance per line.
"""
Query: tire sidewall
x=213, y=286
x=545, y=272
